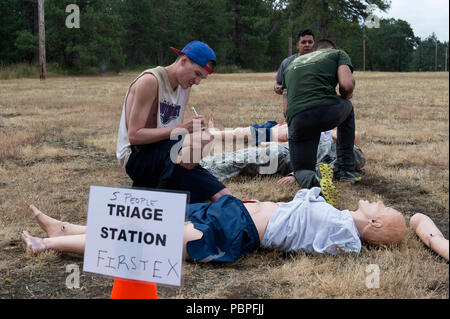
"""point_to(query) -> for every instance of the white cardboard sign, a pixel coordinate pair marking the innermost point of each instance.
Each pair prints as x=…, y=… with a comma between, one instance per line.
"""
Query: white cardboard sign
x=135, y=234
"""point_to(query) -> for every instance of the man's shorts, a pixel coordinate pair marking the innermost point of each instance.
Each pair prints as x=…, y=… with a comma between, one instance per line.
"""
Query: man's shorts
x=228, y=231
x=150, y=166
x=262, y=133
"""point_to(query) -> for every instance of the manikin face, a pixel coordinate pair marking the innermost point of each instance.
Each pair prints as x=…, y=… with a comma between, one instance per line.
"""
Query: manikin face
x=190, y=73
x=305, y=44
x=379, y=224
x=372, y=211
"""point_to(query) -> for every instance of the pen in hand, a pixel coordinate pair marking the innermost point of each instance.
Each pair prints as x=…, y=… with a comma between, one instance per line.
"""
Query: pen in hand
x=196, y=114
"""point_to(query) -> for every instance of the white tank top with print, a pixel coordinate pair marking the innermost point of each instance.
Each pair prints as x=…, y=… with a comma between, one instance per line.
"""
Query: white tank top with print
x=171, y=106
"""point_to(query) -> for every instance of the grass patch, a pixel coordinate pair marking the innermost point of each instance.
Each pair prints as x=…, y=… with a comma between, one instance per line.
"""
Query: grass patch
x=58, y=137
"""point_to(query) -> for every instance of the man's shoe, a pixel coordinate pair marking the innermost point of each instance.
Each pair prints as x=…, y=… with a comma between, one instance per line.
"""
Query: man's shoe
x=347, y=176
x=329, y=191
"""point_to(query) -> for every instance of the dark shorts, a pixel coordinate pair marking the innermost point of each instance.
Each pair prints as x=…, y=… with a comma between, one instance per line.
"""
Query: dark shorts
x=228, y=231
x=150, y=166
x=262, y=133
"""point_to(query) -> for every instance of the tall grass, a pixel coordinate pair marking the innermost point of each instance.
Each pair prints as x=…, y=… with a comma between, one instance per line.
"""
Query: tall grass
x=30, y=70
x=20, y=70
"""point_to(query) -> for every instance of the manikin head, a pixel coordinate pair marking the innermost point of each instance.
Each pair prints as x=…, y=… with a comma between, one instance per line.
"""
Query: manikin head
x=378, y=224
x=194, y=62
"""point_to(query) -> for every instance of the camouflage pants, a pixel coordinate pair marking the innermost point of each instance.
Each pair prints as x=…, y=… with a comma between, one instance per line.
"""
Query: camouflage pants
x=260, y=160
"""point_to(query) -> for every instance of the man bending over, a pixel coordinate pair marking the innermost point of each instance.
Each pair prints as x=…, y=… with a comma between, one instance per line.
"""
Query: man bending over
x=152, y=127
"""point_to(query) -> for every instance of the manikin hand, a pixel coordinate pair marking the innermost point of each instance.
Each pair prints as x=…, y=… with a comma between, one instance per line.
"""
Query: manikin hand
x=286, y=181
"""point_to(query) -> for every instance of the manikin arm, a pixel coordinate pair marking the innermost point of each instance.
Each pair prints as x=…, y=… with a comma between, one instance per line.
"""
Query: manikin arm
x=429, y=234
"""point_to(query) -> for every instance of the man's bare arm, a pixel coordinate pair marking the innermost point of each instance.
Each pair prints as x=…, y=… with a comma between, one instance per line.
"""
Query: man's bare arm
x=346, y=81
x=146, y=93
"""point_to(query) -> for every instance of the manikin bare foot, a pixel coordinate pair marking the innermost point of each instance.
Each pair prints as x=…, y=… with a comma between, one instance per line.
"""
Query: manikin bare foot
x=34, y=245
x=51, y=226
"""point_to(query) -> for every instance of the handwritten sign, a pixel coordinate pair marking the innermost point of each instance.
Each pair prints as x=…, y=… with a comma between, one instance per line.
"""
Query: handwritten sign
x=135, y=234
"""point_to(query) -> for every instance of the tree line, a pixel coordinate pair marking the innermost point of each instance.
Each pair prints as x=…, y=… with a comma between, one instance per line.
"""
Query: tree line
x=247, y=34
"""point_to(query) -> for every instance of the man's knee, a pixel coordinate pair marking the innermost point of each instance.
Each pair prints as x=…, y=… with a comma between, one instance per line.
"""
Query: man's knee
x=207, y=141
x=306, y=178
x=196, y=146
x=219, y=194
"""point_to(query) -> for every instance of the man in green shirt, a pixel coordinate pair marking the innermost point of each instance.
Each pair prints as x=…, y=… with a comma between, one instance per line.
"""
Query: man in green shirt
x=314, y=107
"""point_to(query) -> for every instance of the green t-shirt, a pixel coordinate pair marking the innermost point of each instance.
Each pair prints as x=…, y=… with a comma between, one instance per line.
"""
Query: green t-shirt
x=311, y=80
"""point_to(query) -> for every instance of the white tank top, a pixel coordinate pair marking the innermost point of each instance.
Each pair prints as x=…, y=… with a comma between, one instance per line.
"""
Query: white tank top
x=171, y=106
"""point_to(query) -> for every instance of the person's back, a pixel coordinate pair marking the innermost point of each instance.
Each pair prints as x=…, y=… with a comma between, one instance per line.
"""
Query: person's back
x=314, y=107
x=311, y=80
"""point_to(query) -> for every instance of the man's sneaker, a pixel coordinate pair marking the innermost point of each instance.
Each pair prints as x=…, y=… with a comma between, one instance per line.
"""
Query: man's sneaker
x=346, y=176
x=329, y=191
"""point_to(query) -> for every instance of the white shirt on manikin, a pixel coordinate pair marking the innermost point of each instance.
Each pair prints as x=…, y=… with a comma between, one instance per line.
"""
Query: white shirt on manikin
x=309, y=223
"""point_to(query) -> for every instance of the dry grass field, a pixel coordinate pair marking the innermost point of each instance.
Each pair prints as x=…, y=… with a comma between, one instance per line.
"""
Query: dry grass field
x=58, y=138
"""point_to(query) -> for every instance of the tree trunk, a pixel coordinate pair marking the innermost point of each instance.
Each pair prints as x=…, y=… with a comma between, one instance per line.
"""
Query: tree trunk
x=364, y=48
x=236, y=32
x=324, y=19
x=446, y=58
x=435, y=56
x=42, y=62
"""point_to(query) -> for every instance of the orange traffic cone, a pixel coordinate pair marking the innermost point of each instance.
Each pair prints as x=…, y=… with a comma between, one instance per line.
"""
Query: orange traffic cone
x=133, y=289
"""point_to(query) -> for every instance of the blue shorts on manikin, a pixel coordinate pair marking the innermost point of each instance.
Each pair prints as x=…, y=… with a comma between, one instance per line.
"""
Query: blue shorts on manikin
x=228, y=231
x=262, y=133
x=150, y=166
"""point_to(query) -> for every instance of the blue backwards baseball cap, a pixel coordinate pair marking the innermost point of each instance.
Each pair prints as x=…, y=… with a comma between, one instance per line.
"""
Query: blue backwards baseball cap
x=198, y=52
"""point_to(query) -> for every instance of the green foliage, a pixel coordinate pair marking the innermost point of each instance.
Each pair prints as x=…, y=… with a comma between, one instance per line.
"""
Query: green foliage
x=425, y=54
x=246, y=34
x=98, y=38
x=15, y=16
x=390, y=47
x=26, y=44
x=251, y=24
